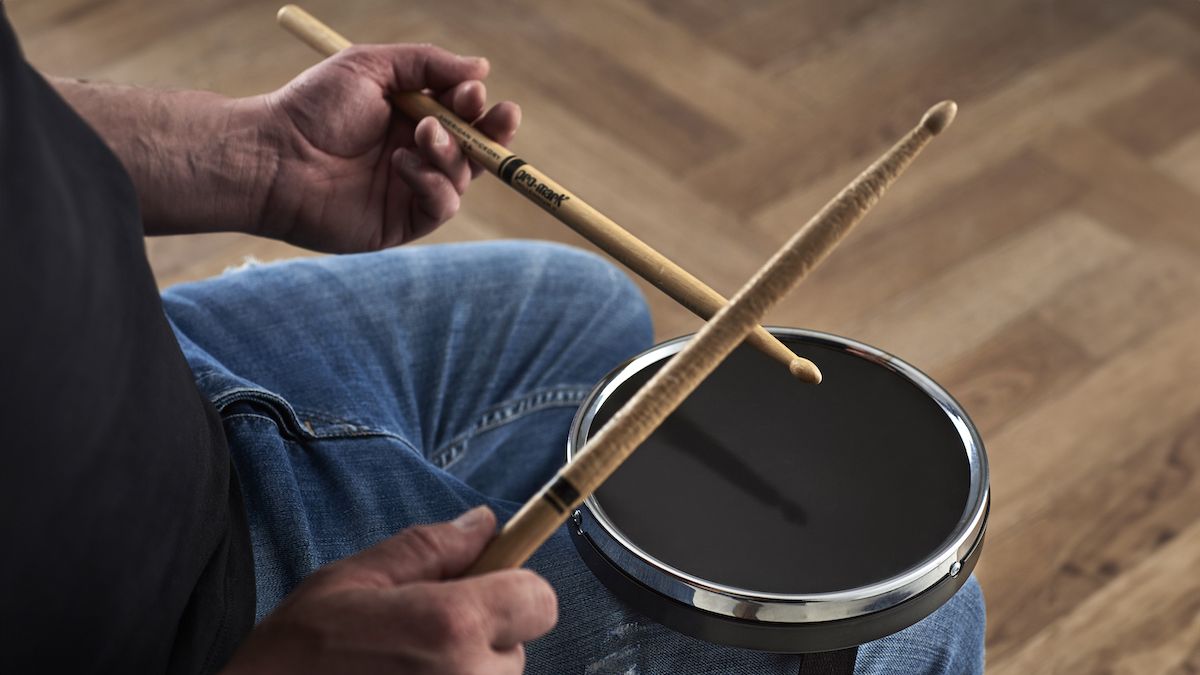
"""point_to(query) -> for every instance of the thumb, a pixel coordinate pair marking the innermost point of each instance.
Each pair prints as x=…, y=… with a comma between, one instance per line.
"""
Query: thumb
x=430, y=552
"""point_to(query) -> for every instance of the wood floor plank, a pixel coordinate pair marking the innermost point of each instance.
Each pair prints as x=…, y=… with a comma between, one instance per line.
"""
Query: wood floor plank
x=682, y=63
x=908, y=244
x=110, y=31
x=1095, y=425
x=1110, y=309
x=1180, y=42
x=233, y=52
x=1127, y=193
x=1073, y=86
x=674, y=131
x=38, y=17
x=1181, y=161
x=771, y=32
x=943, y=319
x=1152, y=119
x=1146, y=621
x=887, y=95
x=985, y=45
x=1091, y=533
x=702, y=16
x=1014, y=372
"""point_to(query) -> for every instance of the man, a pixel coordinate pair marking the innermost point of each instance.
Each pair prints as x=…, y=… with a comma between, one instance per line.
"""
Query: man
x=239, y=476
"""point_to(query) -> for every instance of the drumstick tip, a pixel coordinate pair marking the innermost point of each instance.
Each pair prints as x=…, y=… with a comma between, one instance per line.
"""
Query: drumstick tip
x=803, y=369
x=284, y=11
x=939, y=117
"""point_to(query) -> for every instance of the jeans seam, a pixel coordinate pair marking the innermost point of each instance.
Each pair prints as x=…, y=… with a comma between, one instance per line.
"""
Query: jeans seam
x=240, y=415
x=506, y=412
x=365, y=433
x=335, y=426
x=299, y=420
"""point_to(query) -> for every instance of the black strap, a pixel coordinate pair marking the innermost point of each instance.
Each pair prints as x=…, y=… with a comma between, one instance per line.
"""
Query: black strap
x=840, y=662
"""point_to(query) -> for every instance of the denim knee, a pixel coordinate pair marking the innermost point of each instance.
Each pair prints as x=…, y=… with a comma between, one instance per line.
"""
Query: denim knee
x=968, y=619
x=594, y=297
x=948, y=642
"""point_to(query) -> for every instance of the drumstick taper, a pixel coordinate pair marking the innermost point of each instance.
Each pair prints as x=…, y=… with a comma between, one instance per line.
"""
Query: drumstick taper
x=556, y=200
x=639, y=417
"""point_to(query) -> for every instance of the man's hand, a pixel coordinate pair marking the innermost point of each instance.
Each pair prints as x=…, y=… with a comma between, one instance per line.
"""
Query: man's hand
x=352, y=174
x=323, y=163
x=397, y=608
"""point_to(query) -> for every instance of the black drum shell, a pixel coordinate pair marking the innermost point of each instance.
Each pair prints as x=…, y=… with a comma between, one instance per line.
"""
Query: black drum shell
x=784, y=638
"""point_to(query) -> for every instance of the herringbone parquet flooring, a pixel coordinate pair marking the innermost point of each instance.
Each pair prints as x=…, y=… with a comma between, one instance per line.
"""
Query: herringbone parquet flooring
x=1042, y=259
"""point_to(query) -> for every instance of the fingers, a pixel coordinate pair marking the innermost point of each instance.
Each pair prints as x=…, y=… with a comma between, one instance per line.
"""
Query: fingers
x=405, y=67
x=439, y=161
x=391, y=609
x=427, y=552
x=440, y=151
x=500, y=124
x=435, y=199
x=521, y=605
x=503, y=609
x=466, y=99
x=511, y=660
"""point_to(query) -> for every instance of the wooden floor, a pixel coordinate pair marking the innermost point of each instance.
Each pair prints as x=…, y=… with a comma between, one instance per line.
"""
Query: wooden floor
x=1042, y=259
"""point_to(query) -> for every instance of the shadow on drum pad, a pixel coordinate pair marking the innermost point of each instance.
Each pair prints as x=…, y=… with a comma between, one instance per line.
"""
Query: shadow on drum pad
x=766, y=484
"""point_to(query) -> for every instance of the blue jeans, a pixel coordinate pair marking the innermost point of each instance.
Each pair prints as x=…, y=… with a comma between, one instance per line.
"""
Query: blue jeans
x=364, y=394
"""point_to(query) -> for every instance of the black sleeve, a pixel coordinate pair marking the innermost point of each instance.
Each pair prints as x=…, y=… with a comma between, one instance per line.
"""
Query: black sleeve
x=123, y=535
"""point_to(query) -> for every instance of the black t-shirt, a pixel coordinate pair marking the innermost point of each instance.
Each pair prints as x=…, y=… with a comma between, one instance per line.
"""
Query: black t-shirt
x=123, y=541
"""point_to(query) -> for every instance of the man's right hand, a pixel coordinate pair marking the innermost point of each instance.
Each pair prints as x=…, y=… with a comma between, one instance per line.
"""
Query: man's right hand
x=399, y=608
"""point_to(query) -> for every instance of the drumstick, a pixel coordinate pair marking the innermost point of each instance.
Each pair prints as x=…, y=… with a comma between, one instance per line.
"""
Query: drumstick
x=638, y=418
x=556, y=200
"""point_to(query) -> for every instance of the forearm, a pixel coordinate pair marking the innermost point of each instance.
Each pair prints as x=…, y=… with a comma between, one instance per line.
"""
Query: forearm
x=201, y=162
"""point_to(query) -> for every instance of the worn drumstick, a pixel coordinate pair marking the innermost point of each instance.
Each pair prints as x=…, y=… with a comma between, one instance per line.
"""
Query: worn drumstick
x=564, y=205
x=642, y=414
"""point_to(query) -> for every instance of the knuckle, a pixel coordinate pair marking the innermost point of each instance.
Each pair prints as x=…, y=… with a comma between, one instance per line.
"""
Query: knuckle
x=461, y=171
x=449, y=207
x=490, y=667
x=424, y=545
x=445, y=217
x=441, y=202
x=469, y=96
x=544, y=598
x=518, y=665
x=360, y=58
x=519, y=659
x=473, y=664
x=418, y=64
x=423, y=187
x=541, y=593
x=455, y=622
x=430, y=52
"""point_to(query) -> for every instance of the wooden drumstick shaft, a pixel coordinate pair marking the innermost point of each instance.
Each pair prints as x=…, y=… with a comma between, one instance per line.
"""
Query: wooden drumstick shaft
x=642, y=414
x=559, y=202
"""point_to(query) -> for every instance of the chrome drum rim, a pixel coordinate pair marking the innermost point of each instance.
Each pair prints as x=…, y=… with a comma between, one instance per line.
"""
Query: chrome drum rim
x=948, y=560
